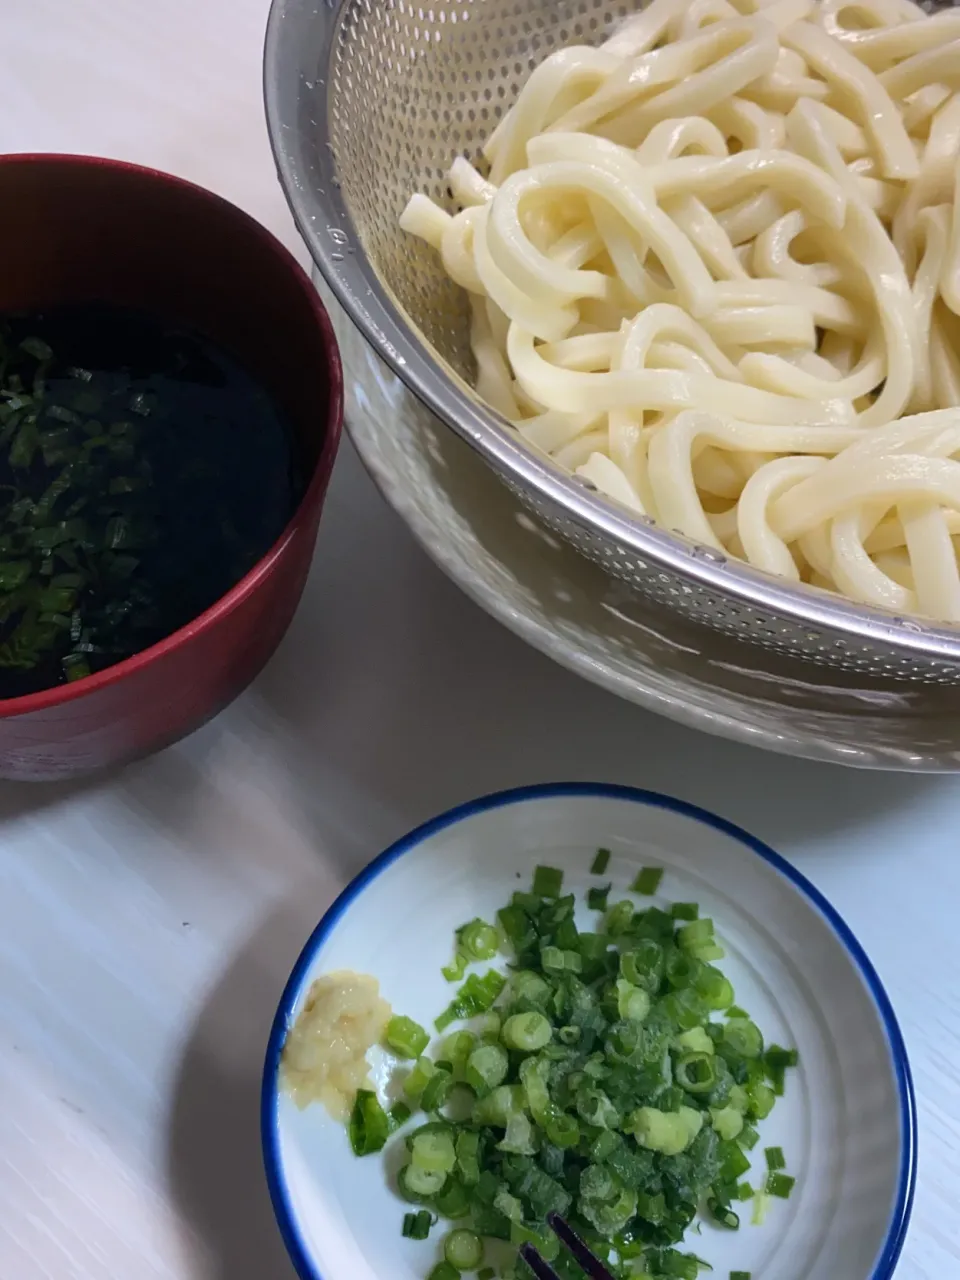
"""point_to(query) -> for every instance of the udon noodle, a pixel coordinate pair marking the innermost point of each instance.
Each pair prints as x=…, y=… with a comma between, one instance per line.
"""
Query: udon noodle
x=714, y=270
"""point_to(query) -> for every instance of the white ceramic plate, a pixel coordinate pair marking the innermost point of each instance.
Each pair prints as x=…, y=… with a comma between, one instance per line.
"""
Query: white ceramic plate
x=480, y=534
x=847, y=1124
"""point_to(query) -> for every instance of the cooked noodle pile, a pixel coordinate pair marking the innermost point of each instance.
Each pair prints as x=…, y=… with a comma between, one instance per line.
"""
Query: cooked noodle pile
x=715, y=270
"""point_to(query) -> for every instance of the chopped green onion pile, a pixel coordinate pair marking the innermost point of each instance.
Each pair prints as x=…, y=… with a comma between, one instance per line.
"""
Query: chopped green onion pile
x=609, y=1077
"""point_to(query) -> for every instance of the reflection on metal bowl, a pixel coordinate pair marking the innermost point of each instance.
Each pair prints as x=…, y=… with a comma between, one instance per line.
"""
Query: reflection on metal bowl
x=519, y=571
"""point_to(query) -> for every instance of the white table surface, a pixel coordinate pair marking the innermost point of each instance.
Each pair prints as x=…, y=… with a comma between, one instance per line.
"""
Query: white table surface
x=148, y=921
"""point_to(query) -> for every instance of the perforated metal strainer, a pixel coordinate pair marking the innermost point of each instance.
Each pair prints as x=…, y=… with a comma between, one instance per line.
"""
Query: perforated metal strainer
x=369, y=101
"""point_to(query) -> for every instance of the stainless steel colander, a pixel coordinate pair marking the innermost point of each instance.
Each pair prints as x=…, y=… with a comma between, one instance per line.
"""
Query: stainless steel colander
x=369, y=101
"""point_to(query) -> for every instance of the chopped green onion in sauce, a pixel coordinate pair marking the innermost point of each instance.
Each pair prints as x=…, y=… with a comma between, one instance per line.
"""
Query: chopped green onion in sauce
x=143, y=472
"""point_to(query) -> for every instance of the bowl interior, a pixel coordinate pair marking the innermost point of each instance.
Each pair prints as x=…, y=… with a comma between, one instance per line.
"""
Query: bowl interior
x=79, y=229
x=846, y=1124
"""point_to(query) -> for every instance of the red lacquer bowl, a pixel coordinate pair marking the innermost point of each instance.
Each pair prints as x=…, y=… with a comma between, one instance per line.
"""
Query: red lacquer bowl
x=78, y=229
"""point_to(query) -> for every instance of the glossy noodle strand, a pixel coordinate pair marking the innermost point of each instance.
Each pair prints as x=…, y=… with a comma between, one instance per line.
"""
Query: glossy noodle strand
x=714, y=270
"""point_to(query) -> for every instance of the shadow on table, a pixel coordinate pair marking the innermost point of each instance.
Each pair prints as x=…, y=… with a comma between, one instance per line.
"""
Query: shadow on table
x=181, y=762
x=215, y=1167
x=18, y=799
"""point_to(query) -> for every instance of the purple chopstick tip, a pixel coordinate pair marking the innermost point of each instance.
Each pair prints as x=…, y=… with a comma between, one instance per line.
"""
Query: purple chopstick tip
x=590, y=1264
x=541, y=1269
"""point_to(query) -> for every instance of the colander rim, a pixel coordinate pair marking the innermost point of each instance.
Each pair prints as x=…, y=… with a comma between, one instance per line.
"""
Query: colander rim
x=304, y=153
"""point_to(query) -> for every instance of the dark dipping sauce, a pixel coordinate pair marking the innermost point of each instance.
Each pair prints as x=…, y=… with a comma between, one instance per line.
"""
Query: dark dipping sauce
x=143, y=473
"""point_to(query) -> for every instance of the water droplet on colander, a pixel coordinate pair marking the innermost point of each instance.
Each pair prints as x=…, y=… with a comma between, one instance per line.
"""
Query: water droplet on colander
x=700, y=552
x=908, y=624
x=336, y=257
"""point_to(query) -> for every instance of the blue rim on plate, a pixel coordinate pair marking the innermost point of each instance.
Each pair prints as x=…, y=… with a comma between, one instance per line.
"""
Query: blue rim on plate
x=270, y=1093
